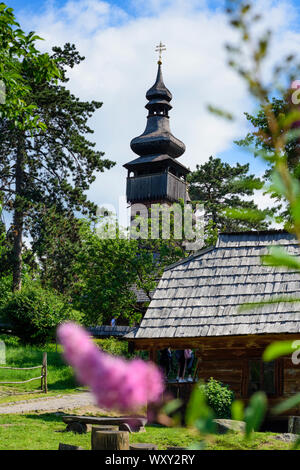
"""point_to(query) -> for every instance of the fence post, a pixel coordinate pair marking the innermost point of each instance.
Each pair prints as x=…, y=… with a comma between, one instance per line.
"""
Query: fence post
x=42, y=378
x=45, y=372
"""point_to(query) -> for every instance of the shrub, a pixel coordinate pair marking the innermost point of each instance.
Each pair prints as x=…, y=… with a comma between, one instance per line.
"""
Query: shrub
x=34, y=314
x=10, y=341
x=219, y=397
x=118, y=347
x=113, y=346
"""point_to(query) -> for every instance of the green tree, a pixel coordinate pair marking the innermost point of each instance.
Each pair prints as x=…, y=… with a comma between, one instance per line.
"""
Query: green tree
x=261, y=138
x=41, y=169
x=261, y=141
x=107, y=267
x=34, y=313
x=17, y=53
x=57, y=241
x=221, y=188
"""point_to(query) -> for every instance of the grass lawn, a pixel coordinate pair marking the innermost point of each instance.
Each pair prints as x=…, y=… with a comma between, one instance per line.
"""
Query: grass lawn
x=45, y=431
x=60, y=376
x=61, y=379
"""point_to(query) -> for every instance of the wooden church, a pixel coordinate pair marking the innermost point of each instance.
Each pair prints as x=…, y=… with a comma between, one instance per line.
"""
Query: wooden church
x=197, y=303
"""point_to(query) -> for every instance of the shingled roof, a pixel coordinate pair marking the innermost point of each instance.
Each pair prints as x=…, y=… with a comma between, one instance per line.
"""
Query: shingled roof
x=201, y=295
x=106, y=331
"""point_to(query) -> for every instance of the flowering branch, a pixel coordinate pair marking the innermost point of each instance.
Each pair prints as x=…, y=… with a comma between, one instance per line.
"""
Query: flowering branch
x=115, y=382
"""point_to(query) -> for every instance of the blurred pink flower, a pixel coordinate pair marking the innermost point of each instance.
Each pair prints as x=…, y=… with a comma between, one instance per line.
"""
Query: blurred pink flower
x=115, y=382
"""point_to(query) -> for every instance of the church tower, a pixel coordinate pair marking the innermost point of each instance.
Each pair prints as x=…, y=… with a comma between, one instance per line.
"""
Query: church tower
x=156, y=176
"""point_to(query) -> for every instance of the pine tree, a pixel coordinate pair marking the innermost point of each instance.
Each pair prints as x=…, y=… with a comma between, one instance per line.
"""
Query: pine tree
x=260, y=140
x=41, y=170
x=222, y=188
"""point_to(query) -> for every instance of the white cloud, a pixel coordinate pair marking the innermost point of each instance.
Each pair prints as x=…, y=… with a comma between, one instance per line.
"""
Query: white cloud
x=120, y=66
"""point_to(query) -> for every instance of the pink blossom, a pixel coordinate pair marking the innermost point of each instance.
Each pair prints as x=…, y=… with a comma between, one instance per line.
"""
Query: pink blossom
x=115, y=382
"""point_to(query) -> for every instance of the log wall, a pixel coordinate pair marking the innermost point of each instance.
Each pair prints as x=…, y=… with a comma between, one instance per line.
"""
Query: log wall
x=227, y=359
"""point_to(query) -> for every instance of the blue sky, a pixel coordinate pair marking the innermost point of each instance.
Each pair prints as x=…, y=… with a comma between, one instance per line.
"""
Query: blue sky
x=118, y=39
x=132, y=7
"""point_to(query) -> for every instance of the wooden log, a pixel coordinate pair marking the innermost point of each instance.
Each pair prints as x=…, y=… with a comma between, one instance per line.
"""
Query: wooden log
x=134, y=422
x=78, y=428
x=101, y=428
x=111, y=440
x=62, y=446
x=142, y=446
x=125, y=427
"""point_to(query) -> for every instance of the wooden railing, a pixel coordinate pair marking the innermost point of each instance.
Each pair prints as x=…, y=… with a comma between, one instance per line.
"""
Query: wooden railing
x=42, y=377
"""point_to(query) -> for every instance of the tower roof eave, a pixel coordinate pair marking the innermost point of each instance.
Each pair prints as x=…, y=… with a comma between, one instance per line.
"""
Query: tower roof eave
x=155, y=159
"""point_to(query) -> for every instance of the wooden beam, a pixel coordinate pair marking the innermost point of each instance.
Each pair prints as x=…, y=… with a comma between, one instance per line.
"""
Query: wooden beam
x=213, y=342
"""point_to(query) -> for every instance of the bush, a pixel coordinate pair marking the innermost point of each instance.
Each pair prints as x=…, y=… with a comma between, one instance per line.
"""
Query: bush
x=10, y=341
x=219, y=397
x=113, y=346
x=118, y=347
x=35, y=313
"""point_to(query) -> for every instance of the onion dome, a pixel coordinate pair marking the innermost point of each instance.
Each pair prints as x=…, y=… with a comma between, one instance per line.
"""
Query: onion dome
x=157, y=138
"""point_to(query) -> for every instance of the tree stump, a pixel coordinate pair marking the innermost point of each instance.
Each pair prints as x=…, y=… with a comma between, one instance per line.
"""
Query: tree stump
x=101, y=428
x=294, y=424
x=78, y=428
x=68, y=447
x=110, y=440
x=142, y=446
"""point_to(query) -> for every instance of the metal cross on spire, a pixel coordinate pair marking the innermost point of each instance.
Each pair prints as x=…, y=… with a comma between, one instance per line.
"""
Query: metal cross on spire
x=160, y=48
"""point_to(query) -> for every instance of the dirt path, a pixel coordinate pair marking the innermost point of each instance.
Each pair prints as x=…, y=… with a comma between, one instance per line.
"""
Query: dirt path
x=65, y=402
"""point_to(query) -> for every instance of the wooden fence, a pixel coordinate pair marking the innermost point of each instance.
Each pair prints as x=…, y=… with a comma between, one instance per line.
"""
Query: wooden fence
x=42, y=377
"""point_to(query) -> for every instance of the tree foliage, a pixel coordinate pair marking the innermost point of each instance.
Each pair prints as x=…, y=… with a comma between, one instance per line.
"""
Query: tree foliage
x=109, y=265
x=51, y=168
x=221, y=187
x=34, y=314
x=18, y=57
x=260, y=140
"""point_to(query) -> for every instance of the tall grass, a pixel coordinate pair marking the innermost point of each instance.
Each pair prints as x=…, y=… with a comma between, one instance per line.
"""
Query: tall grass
x=60, y=376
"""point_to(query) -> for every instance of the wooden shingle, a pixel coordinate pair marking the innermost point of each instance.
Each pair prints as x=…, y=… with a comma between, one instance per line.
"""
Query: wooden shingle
x=202, y=295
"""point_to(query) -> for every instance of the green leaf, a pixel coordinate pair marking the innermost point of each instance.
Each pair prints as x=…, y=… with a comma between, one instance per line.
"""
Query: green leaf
x=220, y=112
x=295, y=211
x=237, y=410
x=278, y=349
x=279, y=186
x=255, y=215
x=275, y=300
x=172, y=406
x=198, y=413
x=279, y=257
x=255, y=412
x=286, y=405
